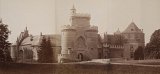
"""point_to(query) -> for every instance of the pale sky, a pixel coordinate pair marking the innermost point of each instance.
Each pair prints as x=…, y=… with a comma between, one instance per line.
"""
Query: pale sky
x=47, y=16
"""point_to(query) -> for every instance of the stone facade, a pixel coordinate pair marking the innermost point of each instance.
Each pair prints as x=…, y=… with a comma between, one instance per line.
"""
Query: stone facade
x=123, y=44
x=80, y=41
x=134, y=39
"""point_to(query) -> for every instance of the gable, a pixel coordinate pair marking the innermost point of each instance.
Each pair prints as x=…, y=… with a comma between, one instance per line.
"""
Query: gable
x=132, y=28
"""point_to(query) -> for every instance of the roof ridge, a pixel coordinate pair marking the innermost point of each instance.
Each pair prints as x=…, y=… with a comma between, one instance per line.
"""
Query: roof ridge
x=132, y=27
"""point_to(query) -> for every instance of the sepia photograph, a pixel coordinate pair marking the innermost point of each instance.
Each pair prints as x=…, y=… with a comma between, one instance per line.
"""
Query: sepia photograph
x=79, y=36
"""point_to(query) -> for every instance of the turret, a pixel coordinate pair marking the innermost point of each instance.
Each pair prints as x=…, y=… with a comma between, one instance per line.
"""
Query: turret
x=26, y=32
x=68, y=35
x=118, y=32
x=0, y=20
x=73, y=10
x=79, y=20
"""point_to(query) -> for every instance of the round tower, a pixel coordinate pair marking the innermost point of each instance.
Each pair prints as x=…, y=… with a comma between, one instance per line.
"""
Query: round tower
x=92, y=41
x=67, y=39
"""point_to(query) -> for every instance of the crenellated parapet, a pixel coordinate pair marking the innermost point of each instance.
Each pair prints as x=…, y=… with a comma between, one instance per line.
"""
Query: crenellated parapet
x=92, y=29
x=113, y=46
x=68, y=28
x=81, y=15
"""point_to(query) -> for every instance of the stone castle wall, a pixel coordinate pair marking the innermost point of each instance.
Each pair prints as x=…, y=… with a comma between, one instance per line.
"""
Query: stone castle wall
x=79, y=39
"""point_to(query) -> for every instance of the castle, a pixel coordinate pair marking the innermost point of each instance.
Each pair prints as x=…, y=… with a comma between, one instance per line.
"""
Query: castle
x=26, y=47
x=80, y=41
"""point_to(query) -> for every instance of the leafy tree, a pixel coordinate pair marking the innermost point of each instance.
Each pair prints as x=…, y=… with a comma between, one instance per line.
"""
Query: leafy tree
x=139, y=54
x=119, y=40
x=115, y=40
x=45, y=54
x=152, y=49
x=4, y=44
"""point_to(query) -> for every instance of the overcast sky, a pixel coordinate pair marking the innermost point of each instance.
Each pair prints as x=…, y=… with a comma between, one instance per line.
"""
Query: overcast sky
x=47, y=16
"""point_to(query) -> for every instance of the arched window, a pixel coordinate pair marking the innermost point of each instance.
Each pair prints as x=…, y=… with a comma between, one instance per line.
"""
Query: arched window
x=131, y=51
x=28, y=54
x=132, y=29
x=80, y=56
x=69, y=50
x=80, y=43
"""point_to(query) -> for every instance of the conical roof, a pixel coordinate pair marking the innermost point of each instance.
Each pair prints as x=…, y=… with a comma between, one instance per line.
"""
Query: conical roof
x=132, y=28
x=118, y=32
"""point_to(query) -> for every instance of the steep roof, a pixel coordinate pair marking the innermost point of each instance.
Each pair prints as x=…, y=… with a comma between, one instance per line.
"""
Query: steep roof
x=31, y=40
x=132, y=28
x=36, y=40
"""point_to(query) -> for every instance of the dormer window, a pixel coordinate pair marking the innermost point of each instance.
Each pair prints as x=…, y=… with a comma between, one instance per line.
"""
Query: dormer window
x=132, y=29
x=31, y=39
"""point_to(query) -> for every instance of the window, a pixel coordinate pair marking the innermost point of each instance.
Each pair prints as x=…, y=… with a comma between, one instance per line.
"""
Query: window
x=31, y=39
x=131, y=51
x=132, y=29
x=80, y=56
x=132, y=54
x=69, y=50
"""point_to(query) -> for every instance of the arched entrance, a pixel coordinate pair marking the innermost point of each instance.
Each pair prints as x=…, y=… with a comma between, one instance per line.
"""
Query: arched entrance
x=20, y=56
x=80, y=56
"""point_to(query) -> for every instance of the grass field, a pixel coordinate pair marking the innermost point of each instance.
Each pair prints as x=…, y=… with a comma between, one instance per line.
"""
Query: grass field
x=144, y=67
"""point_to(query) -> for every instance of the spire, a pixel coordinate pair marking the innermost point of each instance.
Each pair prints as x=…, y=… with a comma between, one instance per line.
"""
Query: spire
x=118, y=32
x=41, y=34
x=132, y=20
x=0, y=20
x=26, y=28
x=26, y=32
x=118, y=29
x=73, y=10
x=73, y=7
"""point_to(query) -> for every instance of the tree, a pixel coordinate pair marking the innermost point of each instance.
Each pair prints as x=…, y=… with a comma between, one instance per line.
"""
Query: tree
x=4, y=44
x=139, y=54
x=45, y=54
x=119, y=40
x=152, y=49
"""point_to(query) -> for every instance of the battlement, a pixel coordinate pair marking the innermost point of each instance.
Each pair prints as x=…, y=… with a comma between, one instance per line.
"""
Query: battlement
x=67, y=27
x=113, y=46
x=93, y=28
x=81, y=15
